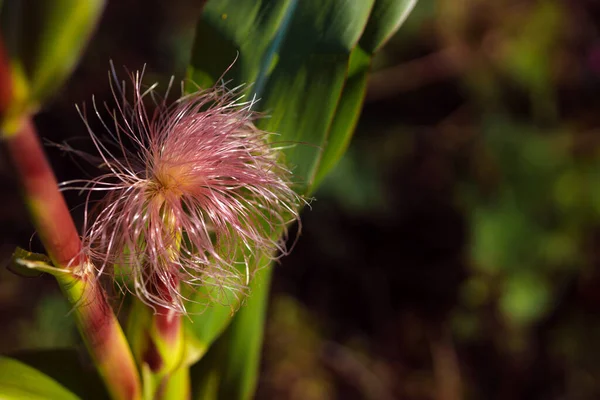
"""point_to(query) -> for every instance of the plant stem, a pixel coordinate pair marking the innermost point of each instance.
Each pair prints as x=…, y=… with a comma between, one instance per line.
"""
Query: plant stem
x=103, y=336
x=179, y=385
x=46, y=204
x=167, y=336
x=97, y=323
x=157, y=339
x=6, y=86
x=161, y=333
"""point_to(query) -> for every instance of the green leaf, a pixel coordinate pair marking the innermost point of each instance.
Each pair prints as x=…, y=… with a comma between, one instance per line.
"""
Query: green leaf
x=249, y=31
x=386, y=17
x=303, y=92
x=20, y=381
x=230, y=368
x=178, y=385
x=296, y=53
x=206, y=323
x=244, y=340
x=30, y=264
x=309, y=64
x=347, y=113
x=69, y=368
x=299, y=57
x=45, y=40
x=19, y=267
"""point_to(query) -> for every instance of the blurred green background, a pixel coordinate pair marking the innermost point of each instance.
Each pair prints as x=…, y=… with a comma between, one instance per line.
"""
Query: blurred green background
x=455, y=250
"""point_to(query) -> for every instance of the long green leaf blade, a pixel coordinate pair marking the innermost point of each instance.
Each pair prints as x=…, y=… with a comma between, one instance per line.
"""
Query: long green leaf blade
x=386, y=18
x=67, y=367
x=303, y=91
x=347, y=113
x=312, y=76
x=247, y=32
x=19, y=381
x=289, y=32
x=230, y=369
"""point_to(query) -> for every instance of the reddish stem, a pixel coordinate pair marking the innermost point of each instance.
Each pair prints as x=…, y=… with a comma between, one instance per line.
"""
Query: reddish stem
x=96, y=321
x=103, y=336
x=6, y=88
x=47, y=205
x=162, y=347
x=167, y=321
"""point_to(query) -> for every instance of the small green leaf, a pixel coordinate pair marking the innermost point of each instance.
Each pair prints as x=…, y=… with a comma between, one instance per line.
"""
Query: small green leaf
x=19, y=381
x=178, y=385
x=30, y=264
x=17, y=266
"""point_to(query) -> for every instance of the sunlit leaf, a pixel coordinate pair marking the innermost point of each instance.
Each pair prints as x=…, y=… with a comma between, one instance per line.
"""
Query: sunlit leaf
x=305, y=63
x=386, y=17
x=67, y=367
x=19, y=381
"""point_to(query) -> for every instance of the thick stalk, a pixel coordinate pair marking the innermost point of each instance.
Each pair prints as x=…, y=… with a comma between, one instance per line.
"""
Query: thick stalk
x=46, y=204
x=103, y=336
x=157, y=339
x=96, y=321
x=179, y=385
x=167, y=336
x=166, y=328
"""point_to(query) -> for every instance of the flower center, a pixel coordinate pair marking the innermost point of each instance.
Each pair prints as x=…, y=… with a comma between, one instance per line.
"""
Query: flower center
x=171, y=179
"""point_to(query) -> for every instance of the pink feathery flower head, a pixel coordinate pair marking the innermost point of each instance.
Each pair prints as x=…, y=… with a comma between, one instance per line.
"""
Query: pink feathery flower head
x=196, y=195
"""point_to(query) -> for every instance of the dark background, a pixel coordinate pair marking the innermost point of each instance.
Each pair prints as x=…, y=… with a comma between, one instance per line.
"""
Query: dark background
x=452, y=254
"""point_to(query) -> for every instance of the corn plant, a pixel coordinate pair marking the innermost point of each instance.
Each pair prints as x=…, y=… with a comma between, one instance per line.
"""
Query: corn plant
x=199, y=192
